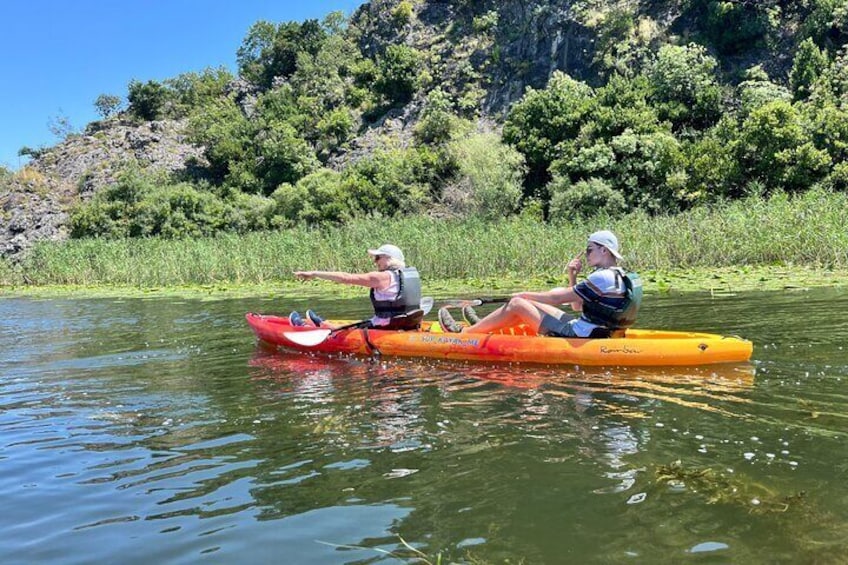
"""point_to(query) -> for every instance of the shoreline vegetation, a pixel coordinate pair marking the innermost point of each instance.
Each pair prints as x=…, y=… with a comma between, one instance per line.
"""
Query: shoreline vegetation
x=757, y=243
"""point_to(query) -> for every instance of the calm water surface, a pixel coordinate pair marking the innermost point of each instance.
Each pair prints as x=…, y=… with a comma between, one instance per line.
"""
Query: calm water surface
x=155, y=430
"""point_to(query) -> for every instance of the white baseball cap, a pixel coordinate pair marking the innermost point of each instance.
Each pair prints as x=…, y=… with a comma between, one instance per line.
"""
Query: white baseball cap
x=608, y=240
x=389, y=250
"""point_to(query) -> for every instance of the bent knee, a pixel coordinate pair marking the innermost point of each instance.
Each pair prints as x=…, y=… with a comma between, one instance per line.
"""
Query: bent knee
x=517, y=303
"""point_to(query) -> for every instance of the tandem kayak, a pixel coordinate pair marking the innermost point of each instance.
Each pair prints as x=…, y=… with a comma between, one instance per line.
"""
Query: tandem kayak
x=520, y=344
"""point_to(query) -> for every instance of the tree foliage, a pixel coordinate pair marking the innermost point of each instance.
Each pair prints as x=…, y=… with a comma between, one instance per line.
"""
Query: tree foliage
x=685, y=86
x=271, y=50
x=396, y=73
x=107, y=105
x=304, y=134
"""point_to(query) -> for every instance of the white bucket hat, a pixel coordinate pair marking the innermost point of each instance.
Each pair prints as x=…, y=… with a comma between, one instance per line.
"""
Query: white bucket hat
x=608, y=240
x=389, y=250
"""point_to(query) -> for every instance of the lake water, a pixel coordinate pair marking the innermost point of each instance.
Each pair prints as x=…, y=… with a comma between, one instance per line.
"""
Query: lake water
x=156, y=431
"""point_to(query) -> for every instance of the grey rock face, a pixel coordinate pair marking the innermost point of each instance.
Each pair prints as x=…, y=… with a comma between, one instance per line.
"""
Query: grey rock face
x=35, y=205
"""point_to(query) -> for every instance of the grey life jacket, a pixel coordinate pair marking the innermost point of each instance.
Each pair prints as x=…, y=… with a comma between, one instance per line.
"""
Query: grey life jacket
x=408, y=297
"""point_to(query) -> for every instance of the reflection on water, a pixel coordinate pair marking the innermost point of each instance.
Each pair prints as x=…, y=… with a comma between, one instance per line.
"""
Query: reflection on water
x=155, y=429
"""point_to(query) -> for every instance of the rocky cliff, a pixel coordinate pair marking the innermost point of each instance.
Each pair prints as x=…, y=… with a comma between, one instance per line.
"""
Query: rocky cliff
x=485, y=53
x=34, y=206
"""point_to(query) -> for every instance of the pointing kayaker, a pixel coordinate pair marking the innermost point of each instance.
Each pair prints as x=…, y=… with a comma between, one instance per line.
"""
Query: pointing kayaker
x=395, y=290
x=607, y=300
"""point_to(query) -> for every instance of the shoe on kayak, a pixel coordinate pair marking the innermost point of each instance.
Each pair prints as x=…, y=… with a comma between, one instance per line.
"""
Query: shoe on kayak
x=315, y=318
x=295, y=319
x=447, y=322
x=470, y=315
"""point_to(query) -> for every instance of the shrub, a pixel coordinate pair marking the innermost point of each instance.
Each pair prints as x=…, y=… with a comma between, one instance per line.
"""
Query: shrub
x=584, y=199
x=758, y=90
x=322, y=198
x=402, y=14
x=438, y=123
x=639, y=166
x=195, y=90
x=282, y=155
x=397, y=69
x=176, y=211
x=249, y=212
x=335, y=128
x=147, y=100
x=838, y=178
x=140, y=204
x=386, y=183
x=492, y=173
x=224, y=132
x=485, y=23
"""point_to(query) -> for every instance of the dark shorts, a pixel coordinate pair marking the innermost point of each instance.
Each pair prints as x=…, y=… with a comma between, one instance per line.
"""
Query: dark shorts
x=564, y=327
x=558, y=327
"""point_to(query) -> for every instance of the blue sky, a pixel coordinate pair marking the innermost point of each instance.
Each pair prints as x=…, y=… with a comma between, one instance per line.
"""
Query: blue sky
x=58, y=56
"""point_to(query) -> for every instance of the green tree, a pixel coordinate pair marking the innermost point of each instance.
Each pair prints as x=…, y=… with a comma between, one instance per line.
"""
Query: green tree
x=226, y=135
x=147, y=100
x=334, y=129
x=685, y=87
x=776, y=148
x=194, y=90
x=282, y=155
x=269, y=51
x=107, y=105
x=402, y=14
x=713, y=171
x=757, y=90
x=397, y=70
x=809, y=64
x=826, y=23
x=544, y=119
x=316, y=198
x=387, y=183
x=622, y=105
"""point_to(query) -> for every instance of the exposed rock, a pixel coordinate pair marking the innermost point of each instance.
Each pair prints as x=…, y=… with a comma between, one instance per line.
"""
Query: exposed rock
x=35, y=204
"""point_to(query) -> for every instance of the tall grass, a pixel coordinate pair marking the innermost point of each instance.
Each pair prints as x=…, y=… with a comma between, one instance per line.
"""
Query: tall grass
x=807, y=230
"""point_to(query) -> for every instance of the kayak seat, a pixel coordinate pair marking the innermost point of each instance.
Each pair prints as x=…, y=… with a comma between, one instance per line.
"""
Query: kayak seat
x=604, y=333
x=409, y=321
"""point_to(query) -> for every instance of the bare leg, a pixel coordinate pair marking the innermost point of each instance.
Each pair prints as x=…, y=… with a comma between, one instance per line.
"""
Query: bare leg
x=516, y=311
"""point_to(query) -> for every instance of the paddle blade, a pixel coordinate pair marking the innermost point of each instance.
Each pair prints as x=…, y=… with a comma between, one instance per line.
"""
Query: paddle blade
x=308, y=338
x=427, y=304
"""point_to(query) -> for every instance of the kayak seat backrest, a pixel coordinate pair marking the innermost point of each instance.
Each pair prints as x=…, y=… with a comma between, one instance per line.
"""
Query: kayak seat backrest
x=409, y=321
x=604, y=333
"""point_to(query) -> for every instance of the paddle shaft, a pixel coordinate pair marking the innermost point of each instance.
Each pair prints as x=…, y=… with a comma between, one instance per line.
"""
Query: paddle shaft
x=461, y=303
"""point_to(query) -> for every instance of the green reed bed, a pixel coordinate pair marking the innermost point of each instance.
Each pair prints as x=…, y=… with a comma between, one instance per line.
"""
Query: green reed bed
x=809, y=230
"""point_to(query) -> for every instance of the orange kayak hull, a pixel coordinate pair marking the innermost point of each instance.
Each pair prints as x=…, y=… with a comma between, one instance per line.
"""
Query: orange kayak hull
x=647, y=348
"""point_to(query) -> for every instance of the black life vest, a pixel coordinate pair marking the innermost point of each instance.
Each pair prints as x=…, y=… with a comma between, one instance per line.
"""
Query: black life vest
x=616, y=313
x=408, y=297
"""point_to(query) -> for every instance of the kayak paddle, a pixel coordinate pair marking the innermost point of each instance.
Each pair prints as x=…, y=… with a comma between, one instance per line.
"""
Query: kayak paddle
x=462, y=303
x=309, y=338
